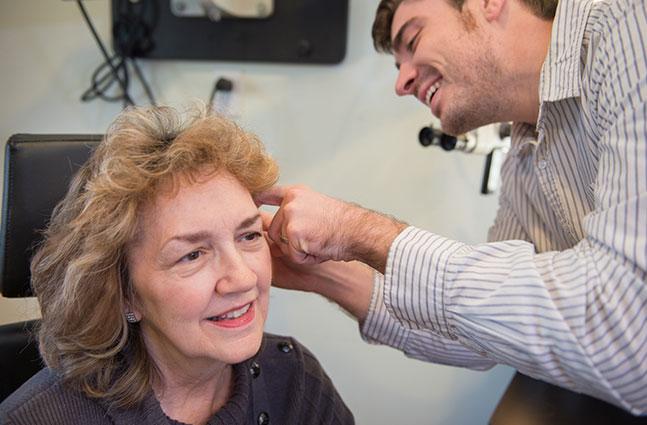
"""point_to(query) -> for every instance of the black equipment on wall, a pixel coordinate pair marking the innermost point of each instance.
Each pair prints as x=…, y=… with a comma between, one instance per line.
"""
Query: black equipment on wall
x=297, y=31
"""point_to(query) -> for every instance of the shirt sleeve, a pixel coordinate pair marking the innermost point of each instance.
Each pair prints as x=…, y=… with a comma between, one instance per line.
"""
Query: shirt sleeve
x=575, y=318
x=380, y=327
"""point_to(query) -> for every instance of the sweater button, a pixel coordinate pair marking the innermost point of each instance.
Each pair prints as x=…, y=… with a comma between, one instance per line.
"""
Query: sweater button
x=285, y=347
x=255, y=370
x=263, y=418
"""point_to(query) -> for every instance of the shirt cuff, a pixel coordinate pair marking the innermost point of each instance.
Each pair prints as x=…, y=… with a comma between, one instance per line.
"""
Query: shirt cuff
x=378, y=326
x=415, y=279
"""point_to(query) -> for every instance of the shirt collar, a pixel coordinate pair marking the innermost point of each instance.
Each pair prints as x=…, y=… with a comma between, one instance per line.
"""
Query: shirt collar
x=560, y=73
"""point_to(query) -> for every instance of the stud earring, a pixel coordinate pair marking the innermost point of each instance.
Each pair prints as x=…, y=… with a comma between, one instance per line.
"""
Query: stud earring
x=130, y=317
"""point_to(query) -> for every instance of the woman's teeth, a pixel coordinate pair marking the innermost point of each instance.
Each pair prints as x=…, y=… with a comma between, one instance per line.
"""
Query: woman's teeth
x=232, y=314
x=431, y=91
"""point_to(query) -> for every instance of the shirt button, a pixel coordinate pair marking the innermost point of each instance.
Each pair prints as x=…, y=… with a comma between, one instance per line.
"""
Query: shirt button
x=285, y=347
x=263, y=418
x=255, y=370
x=541, y=164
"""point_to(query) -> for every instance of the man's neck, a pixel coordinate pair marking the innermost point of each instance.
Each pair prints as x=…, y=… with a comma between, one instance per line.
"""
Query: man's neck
x=526, y=40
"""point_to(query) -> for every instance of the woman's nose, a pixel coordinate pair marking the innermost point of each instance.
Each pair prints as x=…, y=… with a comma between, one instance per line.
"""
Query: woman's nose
x=406, y=81
x=235, y=275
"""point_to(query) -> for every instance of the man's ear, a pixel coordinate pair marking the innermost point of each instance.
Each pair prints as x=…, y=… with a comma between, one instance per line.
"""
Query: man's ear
x=492, y=9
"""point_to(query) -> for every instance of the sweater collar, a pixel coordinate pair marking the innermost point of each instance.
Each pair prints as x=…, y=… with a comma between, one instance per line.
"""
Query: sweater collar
x=150, y=411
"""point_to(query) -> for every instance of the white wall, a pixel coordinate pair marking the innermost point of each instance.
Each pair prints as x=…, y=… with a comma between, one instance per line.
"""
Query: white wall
x=339, y=129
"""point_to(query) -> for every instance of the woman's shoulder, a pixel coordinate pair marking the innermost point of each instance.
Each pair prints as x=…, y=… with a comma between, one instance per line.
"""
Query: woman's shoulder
x=287, y=353
x=274, y=345
x=44, y=396
x=287, y=350
x=42, y=384
x=295, y=377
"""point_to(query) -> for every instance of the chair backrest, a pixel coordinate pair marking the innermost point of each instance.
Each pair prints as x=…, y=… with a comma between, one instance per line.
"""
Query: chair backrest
x=19, y=356
x=38, y=169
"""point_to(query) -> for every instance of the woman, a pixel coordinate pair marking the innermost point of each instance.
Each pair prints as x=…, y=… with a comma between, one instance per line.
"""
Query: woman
x=153, y=281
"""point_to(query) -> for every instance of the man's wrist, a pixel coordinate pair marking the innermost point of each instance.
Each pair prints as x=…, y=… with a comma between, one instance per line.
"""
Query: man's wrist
x=368, y=236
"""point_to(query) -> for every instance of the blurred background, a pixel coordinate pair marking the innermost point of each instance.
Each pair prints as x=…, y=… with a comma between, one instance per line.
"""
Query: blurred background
x=337, y=127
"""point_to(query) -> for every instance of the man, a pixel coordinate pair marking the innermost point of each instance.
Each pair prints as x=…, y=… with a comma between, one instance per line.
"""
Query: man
x=560, y=291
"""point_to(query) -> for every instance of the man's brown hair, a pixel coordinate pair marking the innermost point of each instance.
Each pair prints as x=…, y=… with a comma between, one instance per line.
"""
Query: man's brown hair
x=544, y=9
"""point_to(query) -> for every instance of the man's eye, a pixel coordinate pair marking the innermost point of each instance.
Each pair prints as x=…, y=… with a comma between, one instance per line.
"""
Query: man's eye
x=192, y=256
x=412, y=43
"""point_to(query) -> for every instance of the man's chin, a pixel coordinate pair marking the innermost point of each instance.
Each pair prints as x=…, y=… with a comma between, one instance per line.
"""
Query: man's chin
x=453, y=128
x=458, y=124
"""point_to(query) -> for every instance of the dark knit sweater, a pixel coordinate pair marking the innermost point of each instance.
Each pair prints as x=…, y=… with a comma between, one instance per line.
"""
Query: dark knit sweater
x=283, y=384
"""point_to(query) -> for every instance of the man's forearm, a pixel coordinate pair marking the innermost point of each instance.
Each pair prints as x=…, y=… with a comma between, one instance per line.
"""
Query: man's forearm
x=349, y=284
x=368, y=236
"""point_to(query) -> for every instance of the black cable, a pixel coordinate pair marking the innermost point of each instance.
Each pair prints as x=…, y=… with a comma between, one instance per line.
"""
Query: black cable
x=142, y=80
x=103, y=79
x=115, y=74
x=131, y=38
x=132, y=34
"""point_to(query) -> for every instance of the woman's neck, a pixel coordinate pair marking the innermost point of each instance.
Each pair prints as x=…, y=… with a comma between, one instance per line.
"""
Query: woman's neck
x=194, y=401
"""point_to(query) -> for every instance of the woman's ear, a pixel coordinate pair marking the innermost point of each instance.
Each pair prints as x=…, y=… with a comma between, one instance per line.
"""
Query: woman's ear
x=129, y=297
x=131, y=313
x=132, y=317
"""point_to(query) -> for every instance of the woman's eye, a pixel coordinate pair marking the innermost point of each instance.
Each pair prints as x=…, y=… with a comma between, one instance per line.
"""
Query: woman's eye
x=192, y=256
x=251, y=236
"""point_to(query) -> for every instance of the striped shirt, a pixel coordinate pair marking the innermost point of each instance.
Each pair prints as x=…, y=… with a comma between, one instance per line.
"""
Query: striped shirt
x=560, y=291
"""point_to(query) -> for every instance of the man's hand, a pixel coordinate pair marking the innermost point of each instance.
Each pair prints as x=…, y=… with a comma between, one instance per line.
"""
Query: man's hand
x=310, y=228
x=349, y=284
x=287, y=274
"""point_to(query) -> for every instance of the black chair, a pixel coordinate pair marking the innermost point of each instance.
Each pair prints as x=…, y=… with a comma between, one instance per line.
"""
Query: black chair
x=37, y=172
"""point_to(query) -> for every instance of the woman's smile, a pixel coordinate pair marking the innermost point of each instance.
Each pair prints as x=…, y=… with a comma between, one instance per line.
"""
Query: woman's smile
x=235, y=318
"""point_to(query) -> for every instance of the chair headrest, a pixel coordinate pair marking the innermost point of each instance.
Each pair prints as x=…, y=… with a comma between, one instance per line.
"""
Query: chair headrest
x=37, y=173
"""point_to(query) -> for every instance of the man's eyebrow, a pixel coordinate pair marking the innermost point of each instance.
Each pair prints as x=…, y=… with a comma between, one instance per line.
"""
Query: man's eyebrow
x=397, y=40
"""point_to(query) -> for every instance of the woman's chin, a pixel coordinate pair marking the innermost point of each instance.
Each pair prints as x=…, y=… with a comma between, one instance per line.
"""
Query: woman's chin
x=242, y=348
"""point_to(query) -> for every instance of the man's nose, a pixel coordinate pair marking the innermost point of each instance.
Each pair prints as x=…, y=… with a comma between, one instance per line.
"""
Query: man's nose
x=406, y=81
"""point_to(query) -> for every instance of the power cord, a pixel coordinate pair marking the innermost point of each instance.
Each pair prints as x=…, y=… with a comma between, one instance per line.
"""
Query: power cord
x=132, y=38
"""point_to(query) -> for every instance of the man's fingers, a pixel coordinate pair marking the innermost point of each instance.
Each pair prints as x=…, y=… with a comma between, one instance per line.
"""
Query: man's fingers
x=276, y=251
x=301, y=257
x=272, y=196
x=266, y=219
x=276, y=226
x=272, y=225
